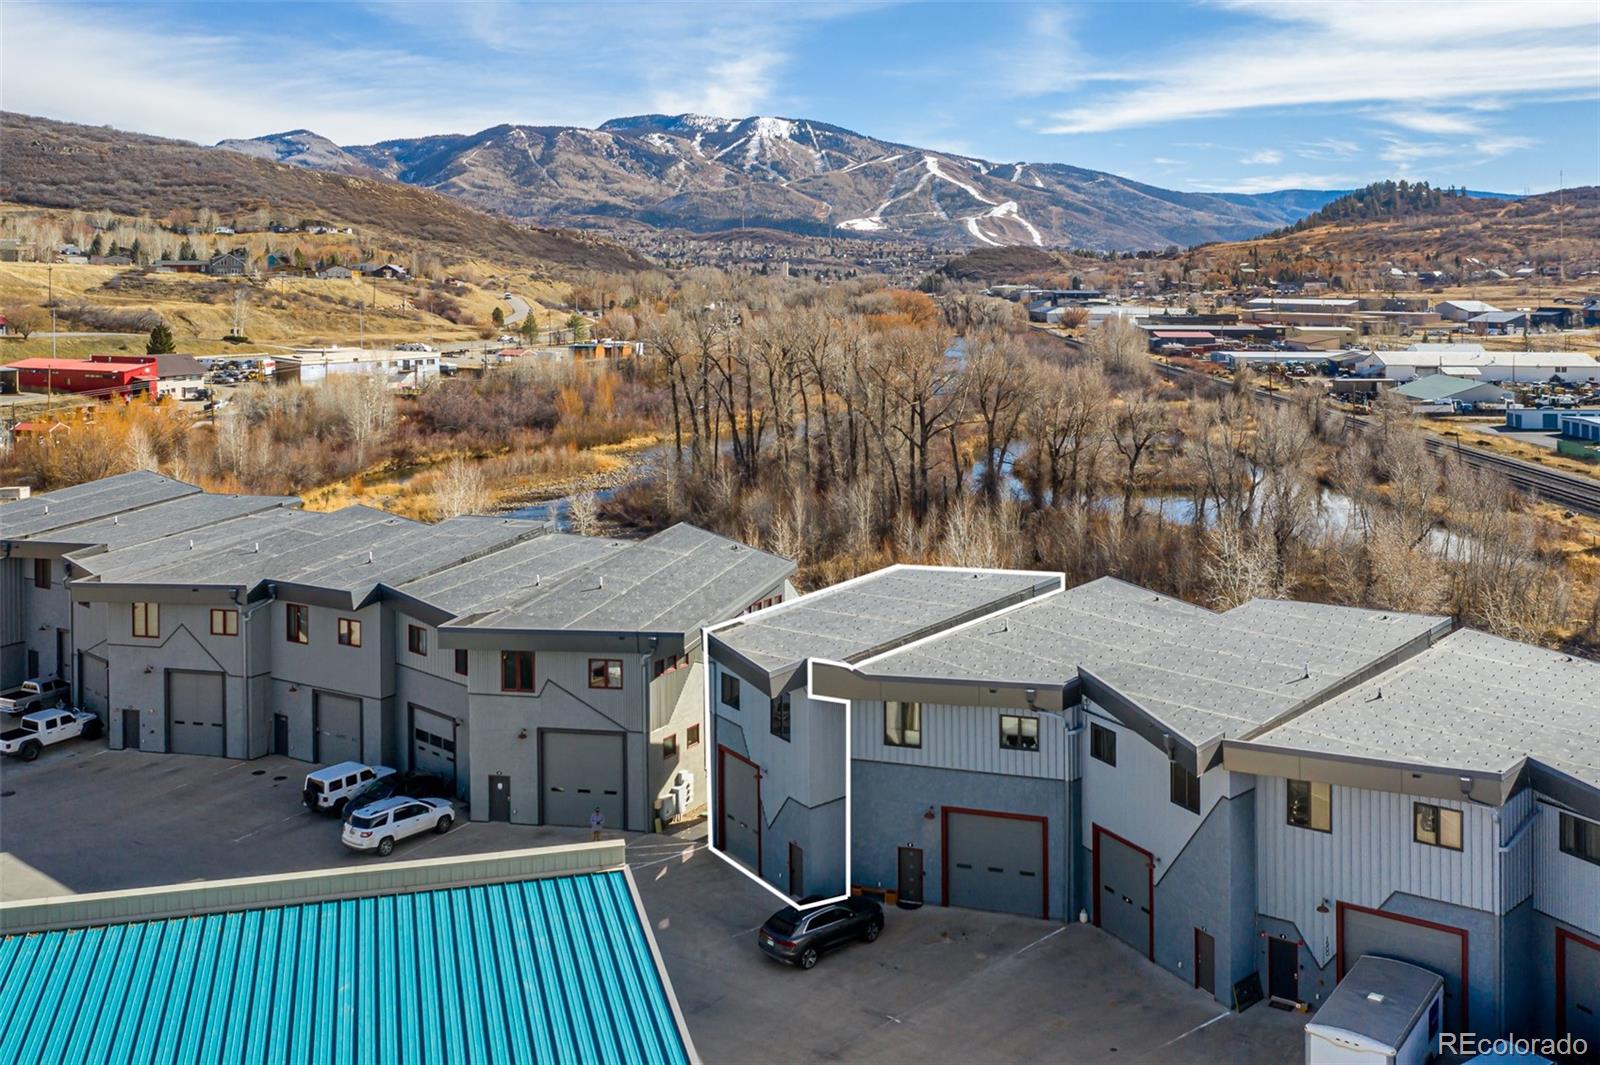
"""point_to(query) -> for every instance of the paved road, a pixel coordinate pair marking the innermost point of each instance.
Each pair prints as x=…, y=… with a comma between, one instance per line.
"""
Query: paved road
x=519, y=310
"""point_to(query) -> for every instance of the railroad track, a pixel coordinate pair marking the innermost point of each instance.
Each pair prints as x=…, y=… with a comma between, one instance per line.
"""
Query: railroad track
x=1576, y=493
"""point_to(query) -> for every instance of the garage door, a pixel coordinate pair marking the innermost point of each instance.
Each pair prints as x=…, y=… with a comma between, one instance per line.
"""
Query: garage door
x=1436, y=947
x=194, y=713
x=582, y=770
x=433, y=745
x=338, y=725
x=1122, y=902
x=94, y=683
x=995, y=863
x=1578, y=987
x=739, y=808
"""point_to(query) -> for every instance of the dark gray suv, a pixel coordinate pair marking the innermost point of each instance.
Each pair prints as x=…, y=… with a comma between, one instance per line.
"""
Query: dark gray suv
x=799, y=937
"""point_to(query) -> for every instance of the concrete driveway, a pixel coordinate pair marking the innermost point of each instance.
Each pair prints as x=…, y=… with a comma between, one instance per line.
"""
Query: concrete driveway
x=939, y=985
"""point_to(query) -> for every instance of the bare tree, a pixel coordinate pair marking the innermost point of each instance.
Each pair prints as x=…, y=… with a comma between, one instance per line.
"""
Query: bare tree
x=460, y=489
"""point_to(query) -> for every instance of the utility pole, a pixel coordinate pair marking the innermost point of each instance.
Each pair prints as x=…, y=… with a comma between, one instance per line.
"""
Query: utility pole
x=50, y=280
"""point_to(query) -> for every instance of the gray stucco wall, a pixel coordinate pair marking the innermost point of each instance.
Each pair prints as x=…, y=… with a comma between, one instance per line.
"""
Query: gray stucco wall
x=889, y=806
x=1211, y=887
x=819, y=832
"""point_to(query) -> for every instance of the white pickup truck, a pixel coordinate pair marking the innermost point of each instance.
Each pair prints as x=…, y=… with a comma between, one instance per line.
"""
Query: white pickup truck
x=35, y=694
x=42, y=728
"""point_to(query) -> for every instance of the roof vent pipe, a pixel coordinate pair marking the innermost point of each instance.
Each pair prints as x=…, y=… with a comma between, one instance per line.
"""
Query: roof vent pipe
x=369, y=556
x=116, y=519
x=602, y=584
x=255, y=548
x=191, y=543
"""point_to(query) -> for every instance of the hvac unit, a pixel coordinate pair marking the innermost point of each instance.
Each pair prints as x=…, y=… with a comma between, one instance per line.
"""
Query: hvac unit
x=683, y=790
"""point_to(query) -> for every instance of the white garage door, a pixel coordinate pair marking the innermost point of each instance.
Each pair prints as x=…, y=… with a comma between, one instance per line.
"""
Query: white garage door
x=194, y=713
x=580, y=771
x=739, y=813
x=433, y=745
x=338, y=725
x=94, y=684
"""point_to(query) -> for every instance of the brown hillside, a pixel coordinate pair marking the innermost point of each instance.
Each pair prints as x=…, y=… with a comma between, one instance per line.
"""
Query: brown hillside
x=58, y=164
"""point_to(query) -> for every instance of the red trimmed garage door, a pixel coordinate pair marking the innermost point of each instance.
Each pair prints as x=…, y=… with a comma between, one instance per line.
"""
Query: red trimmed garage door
x=1578, y=987
x=1440, y=948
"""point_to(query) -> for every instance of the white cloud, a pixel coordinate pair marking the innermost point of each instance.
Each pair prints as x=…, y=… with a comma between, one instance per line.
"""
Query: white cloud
x=1275, y=182
x=1430, y=121
x=1327, y=148
x=1317, y=54
x=1263, y=157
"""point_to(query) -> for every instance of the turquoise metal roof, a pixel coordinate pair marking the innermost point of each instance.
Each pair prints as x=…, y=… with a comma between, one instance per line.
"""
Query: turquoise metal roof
x=550, y=970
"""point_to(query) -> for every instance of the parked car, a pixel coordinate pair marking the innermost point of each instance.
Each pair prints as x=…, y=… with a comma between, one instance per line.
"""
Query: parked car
x=800, y=937
x=328, y=790
x=379, y=826
x=411, y=785
x=42, y=728
x=35, y=694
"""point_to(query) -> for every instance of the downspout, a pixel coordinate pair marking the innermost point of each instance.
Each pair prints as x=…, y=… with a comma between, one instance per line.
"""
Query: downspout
x=1070, y=816
x=244, y=634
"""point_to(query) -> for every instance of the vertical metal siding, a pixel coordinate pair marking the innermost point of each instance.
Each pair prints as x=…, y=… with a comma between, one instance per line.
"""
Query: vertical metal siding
x=961, y=737
x=1566, y=888
x=1367, y=857
x=547, y=970
x=1517, y=844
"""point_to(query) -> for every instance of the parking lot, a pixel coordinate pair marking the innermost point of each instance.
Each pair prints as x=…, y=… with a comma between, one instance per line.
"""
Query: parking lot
x=939, y=985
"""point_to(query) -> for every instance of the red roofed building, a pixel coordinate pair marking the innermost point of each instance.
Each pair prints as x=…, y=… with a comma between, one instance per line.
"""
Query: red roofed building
x=102, y=379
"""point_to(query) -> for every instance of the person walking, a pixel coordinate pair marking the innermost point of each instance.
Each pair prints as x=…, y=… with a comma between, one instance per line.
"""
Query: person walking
x=597, y=821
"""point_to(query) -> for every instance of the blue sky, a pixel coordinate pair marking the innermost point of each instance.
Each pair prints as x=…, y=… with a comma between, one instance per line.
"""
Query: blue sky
x=1243, y=95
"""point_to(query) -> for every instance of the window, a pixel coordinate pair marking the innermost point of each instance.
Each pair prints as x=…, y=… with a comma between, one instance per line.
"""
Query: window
x=692, y=737
x=1019, y=733
x=1102, y=744
x=516, y=671
x=669, y=747
x=1185, y=789
x=902, y=724
x=461, y=661
x=1437, y=826
x=1580, y=838
x=416, y=639
x=671, y=665
x=147, y=620
x=605, y=672
x=296, y=623
x=41, y=573
x=1311, y=805
x=224, y=622
x=730, y=691
x=780, y=716
x=349, y=632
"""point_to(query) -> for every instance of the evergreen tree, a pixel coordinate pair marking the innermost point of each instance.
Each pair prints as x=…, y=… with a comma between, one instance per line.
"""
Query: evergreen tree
x=161, y=342
x=97, y=247
x=498, y=317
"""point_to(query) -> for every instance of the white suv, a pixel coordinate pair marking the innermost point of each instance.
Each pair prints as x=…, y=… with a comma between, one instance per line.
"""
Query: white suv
x=328, y=789
x=377, y=827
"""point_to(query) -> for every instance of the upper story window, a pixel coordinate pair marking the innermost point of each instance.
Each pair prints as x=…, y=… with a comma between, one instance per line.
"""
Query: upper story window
x=605, y=672
x=461, y=661
x=730, y=691
x=1437, y=826
x=349, y=632
x=224, y=622
x=781, y=707
x=516, y=671
x=1019, y=733
x=1102, y=744
x=147, y=620
x=416, y=639
x=1580, y=838
x=1311, y=805
x=41, y=573
x=296, y=623
x=1184, y=788
x=902, y=724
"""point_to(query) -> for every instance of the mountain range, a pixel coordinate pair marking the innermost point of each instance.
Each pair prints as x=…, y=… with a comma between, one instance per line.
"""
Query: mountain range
x=702, y=174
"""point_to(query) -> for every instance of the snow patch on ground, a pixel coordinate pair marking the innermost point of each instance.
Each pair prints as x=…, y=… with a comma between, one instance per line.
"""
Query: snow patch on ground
x=864, y=225
x=1009, y=210
x=972, y=227
x=933, y=168
x=869, y=162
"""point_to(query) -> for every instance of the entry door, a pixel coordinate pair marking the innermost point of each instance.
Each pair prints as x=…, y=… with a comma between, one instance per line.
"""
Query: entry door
x=280, y=734
x=1123, y=889
x=910, y=863
x=1283, y=969
x=1578, y=987
x=1205, y=962
x=1436, y=947
x=194, y=712
x=739, y=808
x=797, y=871
x=130, y=730
x=995, y=862
x=338, y=726
x=499, y=798
x=580, y=771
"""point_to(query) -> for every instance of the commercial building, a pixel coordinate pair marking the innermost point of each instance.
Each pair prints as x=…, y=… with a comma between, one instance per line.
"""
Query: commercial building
x=1466, y=360
x=531, y=955
x=312, y=366
x=1269, y=792
x=1453, y=392
x=101, y=379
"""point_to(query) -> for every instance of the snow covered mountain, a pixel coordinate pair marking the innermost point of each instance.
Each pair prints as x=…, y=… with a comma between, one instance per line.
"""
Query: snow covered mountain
x=705, y=174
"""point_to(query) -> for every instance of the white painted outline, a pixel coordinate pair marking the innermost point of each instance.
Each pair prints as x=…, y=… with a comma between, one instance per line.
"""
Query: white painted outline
x=709, y=725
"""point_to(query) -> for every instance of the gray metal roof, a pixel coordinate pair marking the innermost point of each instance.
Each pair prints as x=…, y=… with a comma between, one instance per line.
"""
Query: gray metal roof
x=505, y=577
x=1470, y=702
x=676, y=581
x=86, y=502
x=176, y=515
x=1203, y=675
x=1403, y=992
x=870, y=615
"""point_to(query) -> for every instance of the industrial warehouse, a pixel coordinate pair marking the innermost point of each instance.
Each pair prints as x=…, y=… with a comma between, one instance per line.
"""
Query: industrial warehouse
x=1277, y=789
